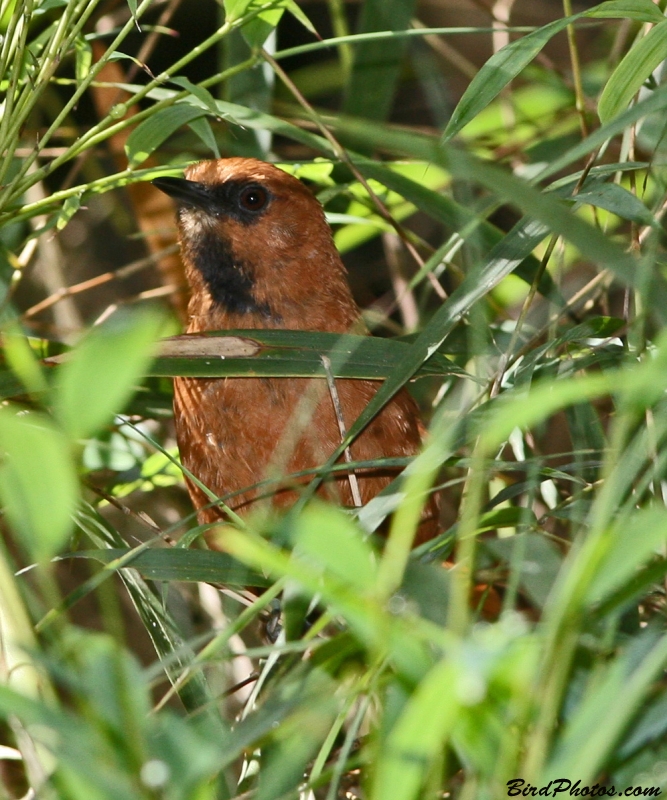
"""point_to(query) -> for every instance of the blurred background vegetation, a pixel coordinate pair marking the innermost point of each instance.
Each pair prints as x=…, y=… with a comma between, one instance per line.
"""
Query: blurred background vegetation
x=492, y=170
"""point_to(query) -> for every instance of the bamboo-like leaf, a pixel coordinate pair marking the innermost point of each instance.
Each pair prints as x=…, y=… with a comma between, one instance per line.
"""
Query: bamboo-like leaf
x=287, y=353
x=427, y=720
x=202, y=128
x=502, y=259
x=457, y=217
x=160, y=625
x=99, y=375
x=258, y=27
x=636, y=67
x=181, y=564
x=199, y=92
x=554, y=214
x=38, y=485
x=497, y=72
x=84, y=57
x=605, y=710
x=329, y=538
x=628, y=548
x=508, y=62
x=150, y=134
x=618, y=200
x=654, y=103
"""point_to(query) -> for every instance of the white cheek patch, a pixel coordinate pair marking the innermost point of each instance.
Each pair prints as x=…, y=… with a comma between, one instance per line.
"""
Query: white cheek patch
x=193, y=223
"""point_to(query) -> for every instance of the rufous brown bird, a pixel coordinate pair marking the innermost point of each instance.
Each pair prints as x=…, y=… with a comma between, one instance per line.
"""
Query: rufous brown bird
x=258, y=253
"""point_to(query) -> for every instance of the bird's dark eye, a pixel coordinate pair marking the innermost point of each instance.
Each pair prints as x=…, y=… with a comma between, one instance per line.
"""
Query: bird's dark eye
x=253, y=198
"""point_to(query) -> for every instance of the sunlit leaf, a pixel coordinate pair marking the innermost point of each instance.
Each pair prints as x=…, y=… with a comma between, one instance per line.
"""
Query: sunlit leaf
x=38, y=483
x=84, y=57
x=627, y=548
x=605, y=710
x=508, y=62
x=69, y=209
x=418, y=734
x=199, y=92
x=329, y=538
x=99, y=376
x=636, y=66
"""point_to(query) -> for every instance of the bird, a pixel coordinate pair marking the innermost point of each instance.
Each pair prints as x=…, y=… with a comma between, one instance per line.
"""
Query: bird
x=258, y=253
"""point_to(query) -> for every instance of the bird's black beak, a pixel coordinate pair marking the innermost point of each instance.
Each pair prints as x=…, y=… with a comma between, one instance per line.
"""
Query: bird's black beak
x=188, y=193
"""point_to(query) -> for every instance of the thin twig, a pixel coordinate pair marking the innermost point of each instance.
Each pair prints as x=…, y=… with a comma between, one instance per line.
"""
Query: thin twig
x=580, y=102
x=139, y=516
x=149, y=294
x=335, y=399
x=444, y=49
x=405, y=299
x=250, y=679
x=495, y=388
x=99, y=280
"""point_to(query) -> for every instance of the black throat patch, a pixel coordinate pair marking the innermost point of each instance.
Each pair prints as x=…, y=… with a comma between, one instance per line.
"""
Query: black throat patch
x=227, y=279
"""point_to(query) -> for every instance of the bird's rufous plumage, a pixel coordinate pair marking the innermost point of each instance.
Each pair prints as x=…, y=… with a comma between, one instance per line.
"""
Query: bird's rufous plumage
x=258, y=253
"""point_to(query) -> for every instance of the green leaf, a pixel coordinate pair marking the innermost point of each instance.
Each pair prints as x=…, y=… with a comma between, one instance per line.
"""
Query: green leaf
x=23, y=363
x=38, y=484
x=199, y=92
x=258, y=28
x=628, y=547
x=497, y=72
x=47, y=5
x=501, y=261
x=235, y=9
x=540, y=562
x=637, y=65
x=99, y=376
x=84, y=58
x=202, y=128
x=553, y=213
x=118, y=56
x=614, y=198
x=300, y=15
x=457, y=217
x=639, y=10
x=364, y=617
x=510, y=60
x=10, y=385
x=427, y=719
x=293, y=743
x=297, y=692
x=328, y=537
x=654, y=103
x=169, y=642
x=150, y=134
x=287, y=353
x=612, y=699
x=69, y=209
x=180, y=564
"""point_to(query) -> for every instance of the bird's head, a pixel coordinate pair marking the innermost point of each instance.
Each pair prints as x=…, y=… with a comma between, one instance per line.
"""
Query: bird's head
x=256, y=244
